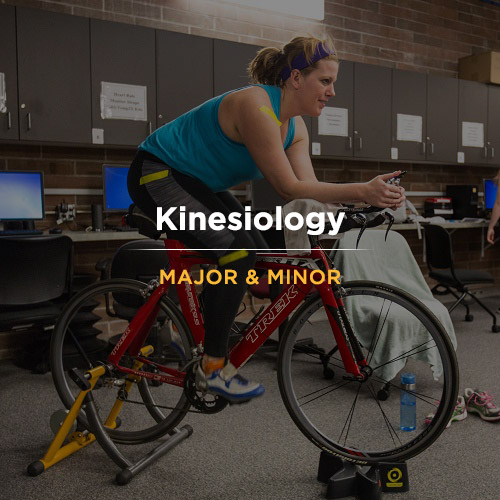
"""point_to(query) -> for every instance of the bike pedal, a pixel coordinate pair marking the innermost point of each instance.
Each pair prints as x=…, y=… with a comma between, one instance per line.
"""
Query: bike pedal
x=240, y=402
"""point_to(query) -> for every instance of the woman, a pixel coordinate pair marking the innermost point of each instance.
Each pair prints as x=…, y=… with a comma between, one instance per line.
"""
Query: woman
x=245, y=134
x=495, y=215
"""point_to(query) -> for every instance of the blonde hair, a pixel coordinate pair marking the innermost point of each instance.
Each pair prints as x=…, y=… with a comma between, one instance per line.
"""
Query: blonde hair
x=267, y=65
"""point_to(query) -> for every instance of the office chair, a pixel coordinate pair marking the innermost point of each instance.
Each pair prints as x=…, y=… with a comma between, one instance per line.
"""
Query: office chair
x=35, y=281
x=139, y=260
x=439, y=254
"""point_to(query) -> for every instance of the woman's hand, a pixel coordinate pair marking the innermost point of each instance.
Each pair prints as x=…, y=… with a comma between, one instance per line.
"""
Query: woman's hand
x=490, y=236
x=380, y=194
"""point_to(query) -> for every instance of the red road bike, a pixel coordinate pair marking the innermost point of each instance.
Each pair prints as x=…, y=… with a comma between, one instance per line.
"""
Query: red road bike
x=341, y=354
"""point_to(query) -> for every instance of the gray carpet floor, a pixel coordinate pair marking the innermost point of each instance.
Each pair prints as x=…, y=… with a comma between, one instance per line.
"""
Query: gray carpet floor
x=249, y=452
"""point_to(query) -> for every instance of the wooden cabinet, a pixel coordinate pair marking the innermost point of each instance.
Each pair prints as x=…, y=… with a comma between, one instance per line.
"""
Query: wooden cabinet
x=362, y=119
x=185, y=73
x=472, y=120
x=54, y=76
x=432, y=100
x=372, y=111
x=442, y=119
x=409, y=117
x=493, y=129
x=231, y=60
x=122, y=55
x=338, y=109
x=9, y=128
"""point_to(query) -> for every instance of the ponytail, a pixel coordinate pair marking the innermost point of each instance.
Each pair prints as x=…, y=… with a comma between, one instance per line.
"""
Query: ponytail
x=271, y=66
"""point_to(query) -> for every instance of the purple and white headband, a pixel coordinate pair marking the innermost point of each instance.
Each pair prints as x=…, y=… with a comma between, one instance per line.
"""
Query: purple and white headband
x=300, y=62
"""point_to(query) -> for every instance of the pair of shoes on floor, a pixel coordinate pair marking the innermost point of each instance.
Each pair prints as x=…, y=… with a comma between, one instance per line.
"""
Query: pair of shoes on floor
x=473, y=401
x=459, y=413
x=481, y=403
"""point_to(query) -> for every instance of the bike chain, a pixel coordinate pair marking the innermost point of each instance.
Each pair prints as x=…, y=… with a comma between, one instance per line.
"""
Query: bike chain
x=194, y=397
x=151, y=405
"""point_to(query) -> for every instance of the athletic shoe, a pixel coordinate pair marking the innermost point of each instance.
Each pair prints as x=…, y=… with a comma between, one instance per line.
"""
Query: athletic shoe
x=481, y=402
x=459, y=413
x=235, y=389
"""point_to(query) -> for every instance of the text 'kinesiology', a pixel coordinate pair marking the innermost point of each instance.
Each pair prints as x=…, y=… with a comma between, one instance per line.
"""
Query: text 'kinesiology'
x=176, y=219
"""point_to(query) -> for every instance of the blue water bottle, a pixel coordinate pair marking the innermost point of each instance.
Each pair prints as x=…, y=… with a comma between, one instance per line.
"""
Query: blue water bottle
x=408, y=420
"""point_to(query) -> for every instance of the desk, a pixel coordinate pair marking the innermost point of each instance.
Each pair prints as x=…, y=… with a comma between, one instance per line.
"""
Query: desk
x=446, y=225
x=84, y=236
x=450, y=226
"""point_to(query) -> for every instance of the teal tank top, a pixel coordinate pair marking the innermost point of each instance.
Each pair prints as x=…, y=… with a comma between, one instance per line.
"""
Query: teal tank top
x=195, y=145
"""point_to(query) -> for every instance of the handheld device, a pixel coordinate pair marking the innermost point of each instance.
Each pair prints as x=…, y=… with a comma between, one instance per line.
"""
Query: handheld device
x=397, y=179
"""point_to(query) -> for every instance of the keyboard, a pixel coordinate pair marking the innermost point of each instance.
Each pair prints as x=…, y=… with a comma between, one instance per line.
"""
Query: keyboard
x=20, y=232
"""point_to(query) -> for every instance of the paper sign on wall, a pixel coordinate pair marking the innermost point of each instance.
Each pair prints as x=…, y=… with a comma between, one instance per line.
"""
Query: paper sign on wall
x=120, y=101
x=333, y=121
x=3, y=94
x=473, y=134
x=409, y=128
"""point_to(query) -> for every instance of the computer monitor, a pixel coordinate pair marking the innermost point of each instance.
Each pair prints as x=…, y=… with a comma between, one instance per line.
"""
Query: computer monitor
x=116, y=197
x=490, y=193
x=21, y=198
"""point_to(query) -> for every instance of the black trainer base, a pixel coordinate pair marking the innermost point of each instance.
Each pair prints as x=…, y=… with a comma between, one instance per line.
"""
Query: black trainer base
x=345, y=479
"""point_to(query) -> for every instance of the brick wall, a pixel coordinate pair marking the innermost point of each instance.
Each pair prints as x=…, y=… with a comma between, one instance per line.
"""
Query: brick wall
x=418, y=35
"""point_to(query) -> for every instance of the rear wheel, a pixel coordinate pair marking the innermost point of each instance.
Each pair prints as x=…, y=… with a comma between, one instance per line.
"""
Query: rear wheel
x=86, y=332
x=347, y=418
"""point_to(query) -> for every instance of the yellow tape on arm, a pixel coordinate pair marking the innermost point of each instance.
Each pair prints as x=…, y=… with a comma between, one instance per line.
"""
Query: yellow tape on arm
x=153, y=177
x=271, y=113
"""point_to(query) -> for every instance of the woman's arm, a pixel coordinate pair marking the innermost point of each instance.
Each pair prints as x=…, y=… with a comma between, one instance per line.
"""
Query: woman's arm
x=495, y=215
x=291, y=173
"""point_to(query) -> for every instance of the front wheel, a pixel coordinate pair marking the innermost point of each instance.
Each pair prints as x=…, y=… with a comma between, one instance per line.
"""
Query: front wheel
x=345, y=417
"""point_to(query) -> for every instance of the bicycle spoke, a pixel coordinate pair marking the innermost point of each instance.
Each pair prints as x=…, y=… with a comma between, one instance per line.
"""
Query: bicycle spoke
x=340, y=365
x=372, y=351
x=419, y=395
x=390, y=428
x=79, y=348
x=339, y=385
x=350, y=416
x=405, y=355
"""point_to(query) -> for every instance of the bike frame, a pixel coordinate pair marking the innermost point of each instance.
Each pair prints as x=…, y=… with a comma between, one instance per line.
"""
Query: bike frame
x=263, y=326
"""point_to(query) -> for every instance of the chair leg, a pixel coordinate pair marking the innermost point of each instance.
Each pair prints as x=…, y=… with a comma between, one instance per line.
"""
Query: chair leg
x=488, y=310
x=460, y=301
x=457, y=302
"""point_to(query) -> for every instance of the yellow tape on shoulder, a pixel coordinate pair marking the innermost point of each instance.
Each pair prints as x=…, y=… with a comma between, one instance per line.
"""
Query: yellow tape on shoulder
x=153, y=177
x=271, y=113
x=231, y=257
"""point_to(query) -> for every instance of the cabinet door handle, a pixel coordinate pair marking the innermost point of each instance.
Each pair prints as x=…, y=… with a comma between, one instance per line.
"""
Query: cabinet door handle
x=9, y=121
x=423, y=147
x=150, y=128
x=432, y=148
x=349, y=142
x=485, y=155
x=492, y=152
x=29, y=121
x=360, y=143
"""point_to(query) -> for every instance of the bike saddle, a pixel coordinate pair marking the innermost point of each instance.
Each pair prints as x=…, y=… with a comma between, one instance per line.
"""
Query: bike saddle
x=144, y=224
